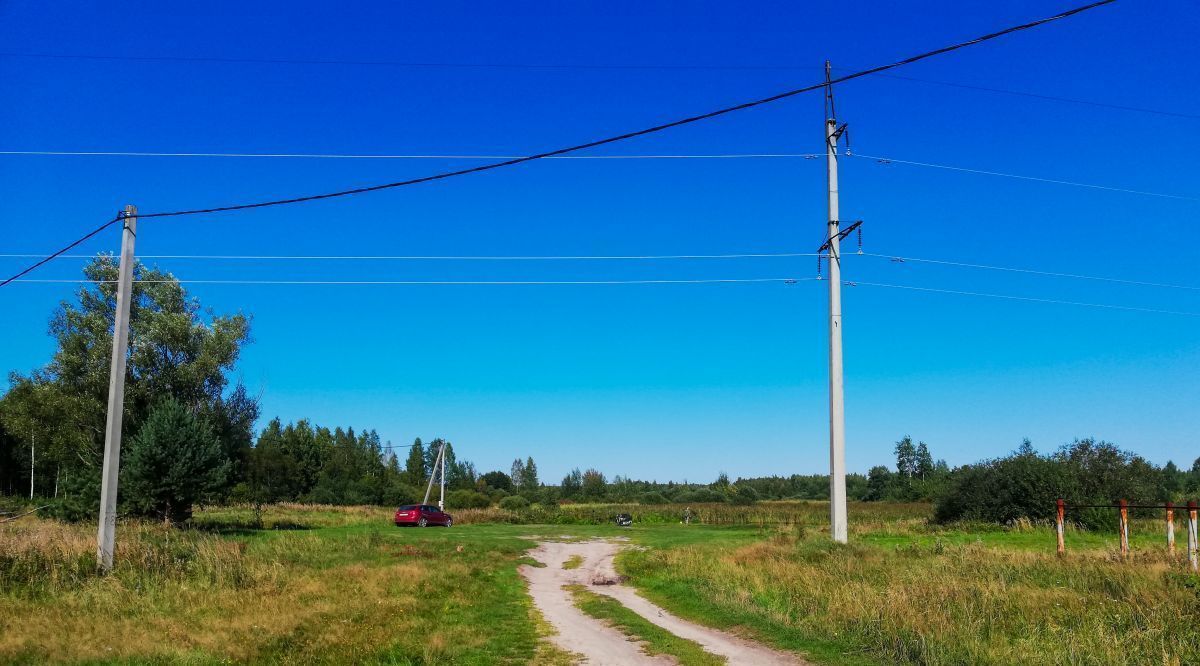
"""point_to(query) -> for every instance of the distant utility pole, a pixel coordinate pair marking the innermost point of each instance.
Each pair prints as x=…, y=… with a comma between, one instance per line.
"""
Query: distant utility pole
x=837, y=415
x=116, y=396
x=442, y=496
x=439, y=470
x=32, y=452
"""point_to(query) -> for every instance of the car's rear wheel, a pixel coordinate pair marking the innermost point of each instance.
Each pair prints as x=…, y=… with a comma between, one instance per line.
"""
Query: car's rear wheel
x=422, y=522
x=449, y=522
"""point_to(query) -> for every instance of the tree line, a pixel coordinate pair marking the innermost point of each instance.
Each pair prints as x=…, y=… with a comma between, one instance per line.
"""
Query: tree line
x=189, y=439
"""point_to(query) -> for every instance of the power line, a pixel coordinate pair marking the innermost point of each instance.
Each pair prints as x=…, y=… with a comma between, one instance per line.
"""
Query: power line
x=613, y=139
x=72, y=245
x=767, y=255
x=1030, y=299
x=427, y=282
x=1055, y=98
x=113, y=153
x=892, y=160
x=1077, y=276
x=649, y=130
x=393, y=63
x=247, y=257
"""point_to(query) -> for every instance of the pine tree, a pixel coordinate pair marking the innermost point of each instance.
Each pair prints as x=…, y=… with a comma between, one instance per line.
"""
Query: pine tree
x=431, y=454
x=414, y=467
x=174, y=462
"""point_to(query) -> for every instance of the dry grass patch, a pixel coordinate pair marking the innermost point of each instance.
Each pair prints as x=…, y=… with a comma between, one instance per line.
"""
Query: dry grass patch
x=939, y=603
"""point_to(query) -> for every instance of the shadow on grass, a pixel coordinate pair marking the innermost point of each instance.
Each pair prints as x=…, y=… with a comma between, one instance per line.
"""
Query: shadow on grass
x=247, y=528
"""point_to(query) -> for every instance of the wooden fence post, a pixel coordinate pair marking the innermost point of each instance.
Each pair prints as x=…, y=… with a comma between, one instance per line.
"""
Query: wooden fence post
x=1170, y=529
x=1062, y=549
x=1193, y=547
x=1124, y=529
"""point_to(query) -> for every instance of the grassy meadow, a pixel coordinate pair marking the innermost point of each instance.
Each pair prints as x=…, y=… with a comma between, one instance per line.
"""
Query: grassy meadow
x=340, y=584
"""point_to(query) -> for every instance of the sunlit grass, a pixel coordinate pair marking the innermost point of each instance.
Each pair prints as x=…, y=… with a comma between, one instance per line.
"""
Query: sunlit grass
x=920, y=594
x=340, y=584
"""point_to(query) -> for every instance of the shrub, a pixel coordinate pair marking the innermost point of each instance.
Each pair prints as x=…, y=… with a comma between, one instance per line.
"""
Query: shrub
x=699, y=496
x=743, y=496
x=1026, y=485
x=653, y=498
x=467, y=499
x=514, y=503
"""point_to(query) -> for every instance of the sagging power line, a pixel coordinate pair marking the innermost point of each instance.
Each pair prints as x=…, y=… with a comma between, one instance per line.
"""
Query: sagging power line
x=830, y=81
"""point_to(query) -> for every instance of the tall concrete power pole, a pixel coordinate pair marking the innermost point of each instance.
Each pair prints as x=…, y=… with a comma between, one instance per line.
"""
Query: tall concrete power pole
x=116, y=396
x=439, y=468
x=837, y=416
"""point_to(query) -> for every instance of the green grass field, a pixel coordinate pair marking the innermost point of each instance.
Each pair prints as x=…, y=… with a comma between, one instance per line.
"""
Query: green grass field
x=336, y=585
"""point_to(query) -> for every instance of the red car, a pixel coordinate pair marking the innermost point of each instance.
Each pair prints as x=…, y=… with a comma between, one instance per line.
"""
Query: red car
x=422, y=515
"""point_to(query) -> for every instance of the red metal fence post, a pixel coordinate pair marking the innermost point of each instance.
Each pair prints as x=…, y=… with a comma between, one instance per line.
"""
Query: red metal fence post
x=1124, y=529
x=1061, y=546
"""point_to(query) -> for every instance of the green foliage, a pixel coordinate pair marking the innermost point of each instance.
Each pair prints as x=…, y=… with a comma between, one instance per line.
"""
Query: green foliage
x=572, y=484
x=270, y=475
x=174, y=462
x=179, y=351
x=700, y=495
x=593, y=485
x=529, y=476
x=514, y=503
x=497, y=480
x=467, y=499
x=652, y=498
x=414, y=469
x=743, y=495
x=1026, y=485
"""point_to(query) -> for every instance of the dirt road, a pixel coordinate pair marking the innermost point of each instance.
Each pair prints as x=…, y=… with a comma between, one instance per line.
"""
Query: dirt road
x=600, y=644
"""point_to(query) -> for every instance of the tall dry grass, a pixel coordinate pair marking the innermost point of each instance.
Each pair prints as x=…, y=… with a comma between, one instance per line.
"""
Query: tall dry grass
x=938, y=603
x=45, y=557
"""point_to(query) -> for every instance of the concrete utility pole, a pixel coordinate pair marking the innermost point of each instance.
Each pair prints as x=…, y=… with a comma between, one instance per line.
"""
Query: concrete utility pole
x=32, y=453
x=442, y=497
x=116, y=396
x=433, y=472
x=837, y=416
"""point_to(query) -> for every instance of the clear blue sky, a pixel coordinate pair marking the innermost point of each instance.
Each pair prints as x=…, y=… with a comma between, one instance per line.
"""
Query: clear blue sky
x=669, y=381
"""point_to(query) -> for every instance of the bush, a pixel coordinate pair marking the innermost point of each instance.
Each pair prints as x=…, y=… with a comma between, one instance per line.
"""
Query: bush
x=1026, y=485
x=467, y=499
x=700, y=496
x=653, y=498
x=514, y=503
x=744, y=496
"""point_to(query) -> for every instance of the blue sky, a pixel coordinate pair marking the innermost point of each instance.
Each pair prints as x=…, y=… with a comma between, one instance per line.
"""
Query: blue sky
x=654, y=381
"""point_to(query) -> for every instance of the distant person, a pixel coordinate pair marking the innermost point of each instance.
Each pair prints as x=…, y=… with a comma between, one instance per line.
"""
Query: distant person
x=687, y=515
